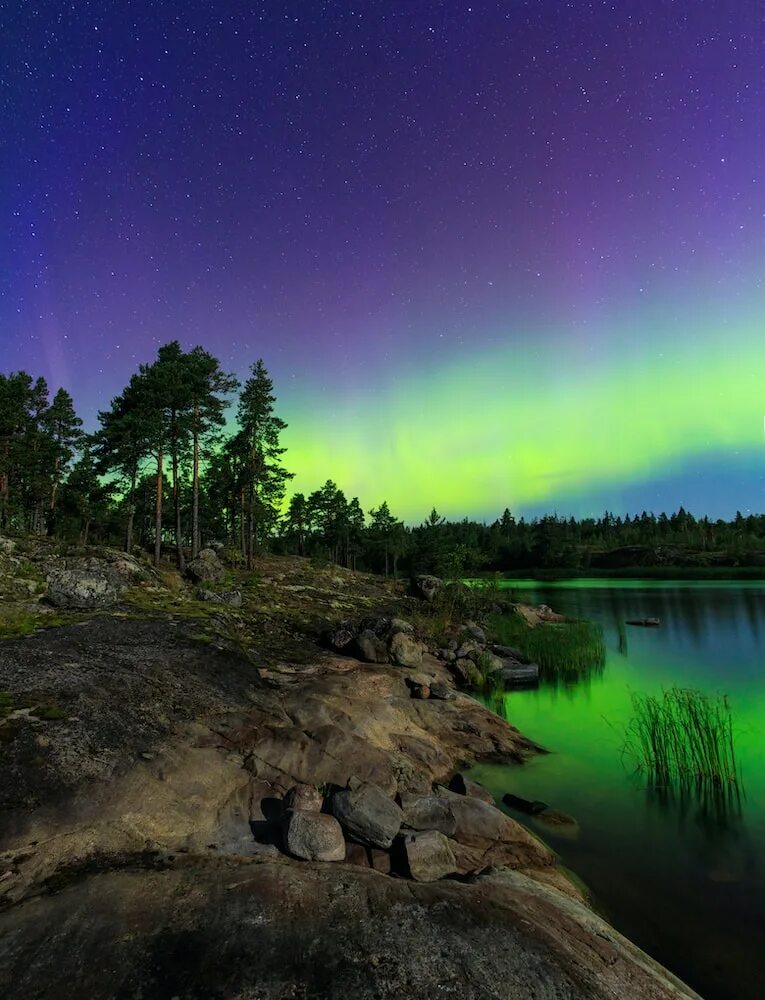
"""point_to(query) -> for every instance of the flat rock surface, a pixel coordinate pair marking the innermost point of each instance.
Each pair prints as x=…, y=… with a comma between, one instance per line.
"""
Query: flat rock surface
x=272, y=931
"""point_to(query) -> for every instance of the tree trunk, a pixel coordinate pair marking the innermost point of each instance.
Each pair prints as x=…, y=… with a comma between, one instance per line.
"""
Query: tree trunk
x=86, y=532
x=195, y=538
x=395, y=565
x=177, y=511
x=242, y=525
x=54, y=487
x=177, y=502
x=250, y=533
x=131, y=511
x=158, y=510
x=386, y=562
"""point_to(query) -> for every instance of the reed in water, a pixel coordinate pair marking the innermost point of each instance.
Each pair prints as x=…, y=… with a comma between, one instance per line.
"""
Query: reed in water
x=682, y=736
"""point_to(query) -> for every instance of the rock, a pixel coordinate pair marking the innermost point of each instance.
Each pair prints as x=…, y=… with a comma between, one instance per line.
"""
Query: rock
x=464, y=786
x=428, y=812
x=441, y=692
x=419, y=684
x=405, y=651
x=7, y=546
x=207, y=566
x=339, y=639
x=399, y=625
x=69, y=588
x=508, y=652
x=305, y=798
x=371, y=648
x=429, y=856
x=313, y=836
x=447, y=655
x=469, y=647
x=532, y=807
x=368, y=814
x=218, y=548
x=379, y=860
x=474, y=631
x=490, y=663
x=426, y=587
x=378, y=624
x=230, y=597
x=466, y=672
x=519, y=673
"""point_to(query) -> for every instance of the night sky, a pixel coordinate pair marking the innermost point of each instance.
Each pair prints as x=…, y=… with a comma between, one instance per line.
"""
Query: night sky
x=493, y=254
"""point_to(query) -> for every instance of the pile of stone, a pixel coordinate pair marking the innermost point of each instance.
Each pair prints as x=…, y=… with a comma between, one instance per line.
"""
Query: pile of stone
x=451, y=831
x=377, y=640
x=469, y=657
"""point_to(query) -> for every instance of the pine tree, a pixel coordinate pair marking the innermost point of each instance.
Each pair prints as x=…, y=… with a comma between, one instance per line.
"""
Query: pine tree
x=65, y=429
x=207, y=385
x=263, y=477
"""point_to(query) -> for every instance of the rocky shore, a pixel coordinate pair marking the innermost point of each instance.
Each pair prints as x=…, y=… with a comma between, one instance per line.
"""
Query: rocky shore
x=251, y=787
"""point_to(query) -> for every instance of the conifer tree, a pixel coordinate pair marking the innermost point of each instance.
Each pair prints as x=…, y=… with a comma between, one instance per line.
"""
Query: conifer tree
x=263, y=477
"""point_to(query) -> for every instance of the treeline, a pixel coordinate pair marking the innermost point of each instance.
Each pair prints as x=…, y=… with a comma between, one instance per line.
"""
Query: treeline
x=165, y=471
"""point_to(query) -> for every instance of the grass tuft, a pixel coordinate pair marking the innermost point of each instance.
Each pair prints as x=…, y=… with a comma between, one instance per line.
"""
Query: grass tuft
x=565, y=651
x=682, y=736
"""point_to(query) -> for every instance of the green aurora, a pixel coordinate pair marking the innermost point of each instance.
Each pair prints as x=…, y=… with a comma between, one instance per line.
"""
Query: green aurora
x=531, y=428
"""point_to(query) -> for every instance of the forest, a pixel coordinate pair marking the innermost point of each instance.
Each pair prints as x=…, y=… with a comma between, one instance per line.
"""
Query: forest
x=185, y=455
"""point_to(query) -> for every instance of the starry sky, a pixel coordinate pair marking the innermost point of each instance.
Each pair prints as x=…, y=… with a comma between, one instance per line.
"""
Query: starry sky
x=493, y=254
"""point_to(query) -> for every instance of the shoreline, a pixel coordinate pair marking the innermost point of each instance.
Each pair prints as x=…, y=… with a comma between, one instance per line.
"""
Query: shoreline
x=179, y=728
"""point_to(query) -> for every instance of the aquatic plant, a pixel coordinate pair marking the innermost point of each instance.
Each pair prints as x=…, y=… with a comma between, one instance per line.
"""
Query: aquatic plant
x=565, y=651
x=683, y=735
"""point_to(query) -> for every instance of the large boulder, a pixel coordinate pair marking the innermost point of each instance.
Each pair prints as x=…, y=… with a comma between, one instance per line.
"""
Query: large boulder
x=80, y=589
x=207, y=566
x=428, y=812
x=304, y=797
x=405, y=651
x=426, y=587
x=368, y=814
x=313, y=836
x=7, y=546
x=429, y=856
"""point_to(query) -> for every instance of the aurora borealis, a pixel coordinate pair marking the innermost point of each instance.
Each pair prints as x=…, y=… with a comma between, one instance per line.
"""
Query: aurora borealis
x=493, y=254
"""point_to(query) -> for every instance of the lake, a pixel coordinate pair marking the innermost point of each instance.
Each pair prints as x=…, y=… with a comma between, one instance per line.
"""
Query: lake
x=683, y=879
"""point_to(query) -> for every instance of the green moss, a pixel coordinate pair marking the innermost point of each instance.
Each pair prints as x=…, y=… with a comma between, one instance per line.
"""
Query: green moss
x=17, y=622
x=50, y=713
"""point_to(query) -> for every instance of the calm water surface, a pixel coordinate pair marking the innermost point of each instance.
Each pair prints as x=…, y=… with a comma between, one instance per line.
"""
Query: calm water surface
x=684, y=879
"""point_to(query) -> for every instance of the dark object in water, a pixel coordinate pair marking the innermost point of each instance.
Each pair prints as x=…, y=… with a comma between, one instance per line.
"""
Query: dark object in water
x=645, y=622
x=520, y=673
x=524, y=805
